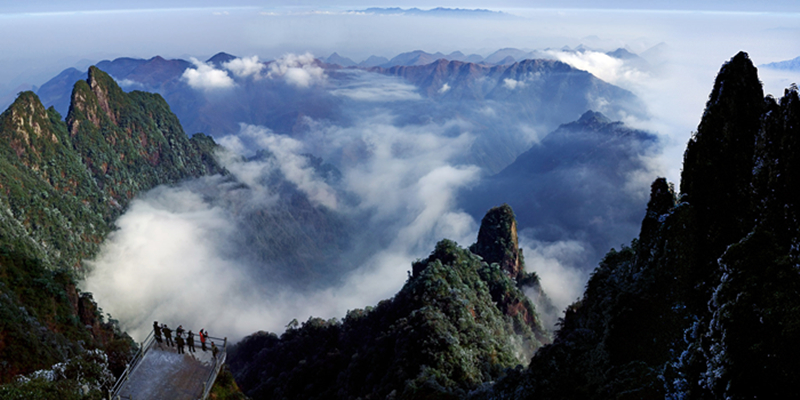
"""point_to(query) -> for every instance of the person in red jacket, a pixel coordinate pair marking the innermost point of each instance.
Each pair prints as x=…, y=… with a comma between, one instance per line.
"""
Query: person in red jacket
x=203, y=336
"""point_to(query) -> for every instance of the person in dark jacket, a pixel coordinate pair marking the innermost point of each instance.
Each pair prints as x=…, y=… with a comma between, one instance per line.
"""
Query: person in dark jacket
x=180, y=341
x=167, y=335
x=190, y=341
x=179, y=331
x=157, y=333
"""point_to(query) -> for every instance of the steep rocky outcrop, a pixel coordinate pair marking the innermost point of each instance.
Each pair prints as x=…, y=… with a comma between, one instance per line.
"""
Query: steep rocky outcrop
x=498, y=241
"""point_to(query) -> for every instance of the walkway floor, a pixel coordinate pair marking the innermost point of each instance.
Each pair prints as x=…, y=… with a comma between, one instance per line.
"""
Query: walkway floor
x=165, y=374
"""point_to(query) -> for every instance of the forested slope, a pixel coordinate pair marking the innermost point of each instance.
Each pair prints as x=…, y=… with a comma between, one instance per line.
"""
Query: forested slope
x=62, y=184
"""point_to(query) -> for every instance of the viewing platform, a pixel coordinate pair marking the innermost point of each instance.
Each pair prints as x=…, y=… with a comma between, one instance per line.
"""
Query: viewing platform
x=157, y=371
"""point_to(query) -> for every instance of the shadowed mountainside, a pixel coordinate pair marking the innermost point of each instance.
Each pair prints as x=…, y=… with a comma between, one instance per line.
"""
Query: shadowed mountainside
x=572, y=184
x=704, y=304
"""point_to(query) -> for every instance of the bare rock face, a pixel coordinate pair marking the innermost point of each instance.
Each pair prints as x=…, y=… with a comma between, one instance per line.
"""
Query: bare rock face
x=497, y=240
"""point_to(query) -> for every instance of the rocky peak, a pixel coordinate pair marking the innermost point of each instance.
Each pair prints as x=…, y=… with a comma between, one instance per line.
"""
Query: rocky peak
x=662, y=198
x=25, y=127
x=27, y=114
x=220, y=58
x=106, y=90
x=498, y=242
x=719, y=159
x=593, y=118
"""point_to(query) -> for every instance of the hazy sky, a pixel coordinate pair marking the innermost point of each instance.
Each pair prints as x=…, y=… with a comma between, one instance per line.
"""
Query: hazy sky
x=40, y=38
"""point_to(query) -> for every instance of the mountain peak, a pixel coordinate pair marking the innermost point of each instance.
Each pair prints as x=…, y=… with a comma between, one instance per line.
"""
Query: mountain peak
x=498, y=242
x=593, y=117
x=104, y=91
x=337, y=59
x=738, y=74
x=220, y=58
x=718, y=162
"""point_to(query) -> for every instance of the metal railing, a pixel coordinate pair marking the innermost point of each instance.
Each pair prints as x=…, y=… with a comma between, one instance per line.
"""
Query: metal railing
x=218, y=362
x=145, y=346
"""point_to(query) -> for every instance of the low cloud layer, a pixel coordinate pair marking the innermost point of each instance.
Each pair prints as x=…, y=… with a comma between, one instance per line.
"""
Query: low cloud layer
x=601, y=65
x=367, y=87
x=288, y=159
x=178, y=257
x=560, y=267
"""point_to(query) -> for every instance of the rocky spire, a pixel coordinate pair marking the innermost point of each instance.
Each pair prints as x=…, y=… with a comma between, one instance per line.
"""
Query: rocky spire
x=498, y=242
x=718, y=162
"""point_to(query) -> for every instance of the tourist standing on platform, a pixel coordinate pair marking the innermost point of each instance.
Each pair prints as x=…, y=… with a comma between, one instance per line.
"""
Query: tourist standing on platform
x=203, y=336
x=157, y=332
x=180, y=341
x=168, y=335
x=190, y=341
x=179, y=331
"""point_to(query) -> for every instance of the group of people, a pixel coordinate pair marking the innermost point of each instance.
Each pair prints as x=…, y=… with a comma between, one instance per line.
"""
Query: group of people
x=158, y=330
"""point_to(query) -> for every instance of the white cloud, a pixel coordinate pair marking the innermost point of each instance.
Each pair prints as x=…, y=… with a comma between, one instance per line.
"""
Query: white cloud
x=530, y=134
x=560, y=268
x=244, y=67
x=206, y=77
x=129, y=84
x=297, y=70
x=370, y=87
x=288, y=160
x=601, y=65
x=513, y=84
x=444, y=88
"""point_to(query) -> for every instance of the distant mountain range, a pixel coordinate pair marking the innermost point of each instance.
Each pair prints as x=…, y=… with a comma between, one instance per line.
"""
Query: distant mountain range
x=537, y=93
x=504, y=56
x=438, y=12
x=790, y=65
